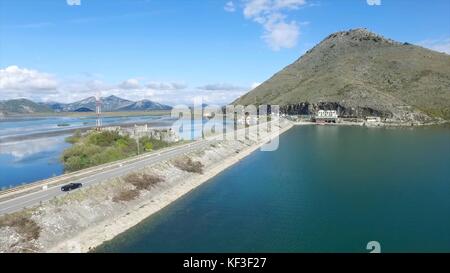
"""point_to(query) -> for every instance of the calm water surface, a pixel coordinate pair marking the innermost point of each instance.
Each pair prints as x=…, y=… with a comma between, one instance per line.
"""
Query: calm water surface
x=31, y=160
x=25, y=161
x=25, y=126
x=38, y=158
x=326, y=189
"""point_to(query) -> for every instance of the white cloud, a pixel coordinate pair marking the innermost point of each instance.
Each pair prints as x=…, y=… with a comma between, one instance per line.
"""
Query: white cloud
x=291, y=4
x=220, y=86
x=255, y=84
x=14, y=78
x=281, y=34
x=166, y=85
x=271, y=14
x=440, y=45
x=229, y=7
x=253, y=8
x=22, y=149
x=220, y=97
x=373, y=2
x=130, y=84
x=220, y=93
x=16, y=82
x=73, y=2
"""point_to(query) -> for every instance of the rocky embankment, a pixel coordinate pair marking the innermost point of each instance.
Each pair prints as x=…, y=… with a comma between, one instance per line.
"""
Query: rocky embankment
x=399, y=114
x=82, y=220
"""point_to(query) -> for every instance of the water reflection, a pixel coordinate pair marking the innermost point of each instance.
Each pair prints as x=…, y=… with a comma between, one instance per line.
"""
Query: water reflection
x=25, y=126
x=20, y=150
x=30, y=160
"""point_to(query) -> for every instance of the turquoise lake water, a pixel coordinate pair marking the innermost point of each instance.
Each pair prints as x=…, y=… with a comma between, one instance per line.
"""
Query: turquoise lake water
x=36, y=158
x=25, y=126
x=326, y=189
x=30, y=160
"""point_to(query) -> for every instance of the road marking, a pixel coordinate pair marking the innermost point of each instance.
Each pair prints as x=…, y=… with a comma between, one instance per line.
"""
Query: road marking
x=111, y=171
x=28, y=201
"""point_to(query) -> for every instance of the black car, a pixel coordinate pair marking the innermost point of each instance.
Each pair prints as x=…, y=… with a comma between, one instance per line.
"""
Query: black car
x=71, y=186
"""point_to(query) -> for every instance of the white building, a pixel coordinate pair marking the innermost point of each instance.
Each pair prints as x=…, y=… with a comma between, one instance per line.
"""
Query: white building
x=373, y=119
x=326, y=116
x=164, y=134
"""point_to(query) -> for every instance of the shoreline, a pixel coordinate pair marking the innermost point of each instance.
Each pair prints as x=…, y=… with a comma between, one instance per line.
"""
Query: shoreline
x=167, y=123
x=375, y=125
x=69, y=131
x=25, y=116
x=86, y=219
x=104, y=231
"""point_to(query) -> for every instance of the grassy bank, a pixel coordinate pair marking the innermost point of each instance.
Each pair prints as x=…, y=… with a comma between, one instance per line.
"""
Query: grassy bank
x=96, y=148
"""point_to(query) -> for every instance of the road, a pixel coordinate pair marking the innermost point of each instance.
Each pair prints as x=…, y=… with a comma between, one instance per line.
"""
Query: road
x=32, y=199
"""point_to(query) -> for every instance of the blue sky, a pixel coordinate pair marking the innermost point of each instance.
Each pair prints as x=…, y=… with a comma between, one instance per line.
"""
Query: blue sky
x=173, y=51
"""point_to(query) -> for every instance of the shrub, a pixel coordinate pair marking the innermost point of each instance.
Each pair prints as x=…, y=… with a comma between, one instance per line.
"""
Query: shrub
x=104, y=139
x=125, y=196
x=148, y=147
x=188, y=165
x=107, y=155
x=103, y=147
x=75, y=138
x=80, y=156
x=153, y=142
x=23, y=224
x=143, y=181
x=123, y=143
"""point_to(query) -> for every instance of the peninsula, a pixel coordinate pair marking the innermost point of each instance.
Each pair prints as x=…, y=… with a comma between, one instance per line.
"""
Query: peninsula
x=121, y=195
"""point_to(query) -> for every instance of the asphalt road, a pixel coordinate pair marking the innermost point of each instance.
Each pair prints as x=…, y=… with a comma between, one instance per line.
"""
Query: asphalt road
x=32, y=199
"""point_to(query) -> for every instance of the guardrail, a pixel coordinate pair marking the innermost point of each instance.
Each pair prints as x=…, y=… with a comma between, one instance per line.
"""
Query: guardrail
x=85, y=172
x=54, y=181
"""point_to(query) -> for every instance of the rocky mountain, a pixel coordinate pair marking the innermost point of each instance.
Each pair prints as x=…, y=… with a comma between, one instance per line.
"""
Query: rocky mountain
x=113, y=103
x=359, y=73
x=109, y=104
x=144, y=105
x=55, y=106
x=83, y=109
x=72, y=107
x=22, y=106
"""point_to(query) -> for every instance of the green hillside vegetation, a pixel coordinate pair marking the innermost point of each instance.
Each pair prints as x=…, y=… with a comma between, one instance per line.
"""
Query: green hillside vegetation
x=23, y=106
x=360, y=68
x=96, y=148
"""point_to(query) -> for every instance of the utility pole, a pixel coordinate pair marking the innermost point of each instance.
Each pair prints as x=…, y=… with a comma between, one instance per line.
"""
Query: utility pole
x=98, y=109
x=137, y=138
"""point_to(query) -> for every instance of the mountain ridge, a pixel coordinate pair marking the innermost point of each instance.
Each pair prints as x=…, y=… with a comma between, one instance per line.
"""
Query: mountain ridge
x=361, y=69
x=22, y=106
x=109, y=104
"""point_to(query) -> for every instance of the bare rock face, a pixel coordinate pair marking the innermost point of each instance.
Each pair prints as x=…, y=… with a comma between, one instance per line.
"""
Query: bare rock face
x=307, y=108
x=362, y=72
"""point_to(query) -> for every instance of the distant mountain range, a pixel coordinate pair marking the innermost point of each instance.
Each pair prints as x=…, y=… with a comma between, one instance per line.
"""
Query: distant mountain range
x=109, y=104
x=22, y=106
x=361, y=73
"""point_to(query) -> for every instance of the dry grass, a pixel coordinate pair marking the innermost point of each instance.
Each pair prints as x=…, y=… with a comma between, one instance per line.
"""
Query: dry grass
x=125, y=196
x=187, y=164
x=23, y=224
x=139, y=182
x=143, y=181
